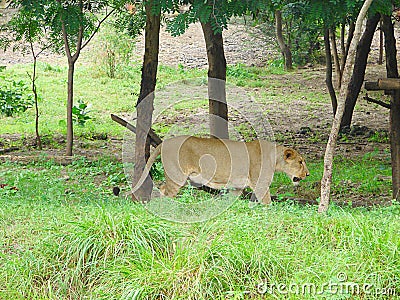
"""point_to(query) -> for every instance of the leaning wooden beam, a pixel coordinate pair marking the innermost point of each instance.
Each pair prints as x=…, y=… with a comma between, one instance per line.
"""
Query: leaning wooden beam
x=62, y=160
x=297, y=200
x=155, y=140
x=7, y=150
x=381, y=103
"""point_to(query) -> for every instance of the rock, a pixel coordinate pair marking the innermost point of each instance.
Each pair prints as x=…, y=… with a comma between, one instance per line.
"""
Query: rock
x=356, y=130
x=304, y=130
x=345, y=129
x=116, y=190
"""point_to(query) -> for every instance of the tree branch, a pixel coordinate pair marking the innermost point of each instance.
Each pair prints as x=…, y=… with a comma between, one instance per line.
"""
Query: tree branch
x=80, y=36
x=97, y=28
x=65, y=37
x=44, y=49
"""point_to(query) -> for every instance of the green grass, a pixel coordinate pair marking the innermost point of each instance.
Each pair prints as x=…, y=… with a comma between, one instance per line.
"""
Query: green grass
x=64, y=235
x=350, y=178
x=105, y=95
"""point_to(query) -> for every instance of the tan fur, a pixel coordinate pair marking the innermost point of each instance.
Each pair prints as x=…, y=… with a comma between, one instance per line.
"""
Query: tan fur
x=225, y=164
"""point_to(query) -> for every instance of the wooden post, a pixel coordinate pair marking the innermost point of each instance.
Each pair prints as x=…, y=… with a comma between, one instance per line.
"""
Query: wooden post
x=395, y=141
x=392, y=86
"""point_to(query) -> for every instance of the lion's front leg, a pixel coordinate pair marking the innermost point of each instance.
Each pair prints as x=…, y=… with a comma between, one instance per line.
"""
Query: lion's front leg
x=267, y=198
x=262, y=195
x=236, y=192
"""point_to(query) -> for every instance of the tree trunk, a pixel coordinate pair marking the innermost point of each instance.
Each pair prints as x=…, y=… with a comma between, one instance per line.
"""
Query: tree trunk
x=218, y=108
x=357, y=78
x=390, y=48
x=144, y=107
x=287, y=54
x=71, y=69
x=328, y=76
x=392, y=72
x=347, y=46
x=342, y=35
x=70, y=103
x=380, y=59
x=35, y=95
x=330, y=147
x=335, y=55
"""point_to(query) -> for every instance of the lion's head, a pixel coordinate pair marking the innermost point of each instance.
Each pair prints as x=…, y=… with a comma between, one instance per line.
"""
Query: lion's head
x=293, y=164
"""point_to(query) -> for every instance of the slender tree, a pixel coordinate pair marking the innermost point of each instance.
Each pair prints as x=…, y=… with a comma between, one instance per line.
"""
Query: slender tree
x=358, y=73
x=35, y=95
x=328, y=74
x=285, y=49
x=330, y=147
x=146, y=99
x=26, y=31
x=74, y=23
x=77, y=30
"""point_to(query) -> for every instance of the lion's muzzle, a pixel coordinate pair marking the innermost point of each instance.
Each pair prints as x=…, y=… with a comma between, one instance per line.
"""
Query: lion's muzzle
x=296, y=179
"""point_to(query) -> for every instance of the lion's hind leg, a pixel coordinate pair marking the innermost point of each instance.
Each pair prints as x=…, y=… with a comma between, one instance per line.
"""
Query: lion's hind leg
x=171, y=187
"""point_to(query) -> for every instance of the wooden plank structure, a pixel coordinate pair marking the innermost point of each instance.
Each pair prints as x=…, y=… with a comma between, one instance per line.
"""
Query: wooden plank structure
x=391, y=86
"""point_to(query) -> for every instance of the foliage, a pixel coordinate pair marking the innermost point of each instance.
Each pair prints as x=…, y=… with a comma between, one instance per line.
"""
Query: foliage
x=304, y=21
x=25, y=27
x=381, y=136
x=218, y=13
x=131, y=23
x=14, y=97
x=240, y=71
x=303, y=36
x=115, y=51
x=80, y=113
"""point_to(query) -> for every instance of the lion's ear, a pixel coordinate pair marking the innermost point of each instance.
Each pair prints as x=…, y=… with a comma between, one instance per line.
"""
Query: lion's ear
x=289, y=154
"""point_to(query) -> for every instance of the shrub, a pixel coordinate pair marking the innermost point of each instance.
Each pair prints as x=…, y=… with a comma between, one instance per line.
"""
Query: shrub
x=80, y=113
x=115, y=52
x=14, y=97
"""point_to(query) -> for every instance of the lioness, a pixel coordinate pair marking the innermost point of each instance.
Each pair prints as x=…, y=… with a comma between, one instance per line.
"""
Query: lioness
x=219, y=163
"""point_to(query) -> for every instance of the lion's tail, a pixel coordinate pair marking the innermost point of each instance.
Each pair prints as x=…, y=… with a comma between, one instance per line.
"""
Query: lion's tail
x=147, y=168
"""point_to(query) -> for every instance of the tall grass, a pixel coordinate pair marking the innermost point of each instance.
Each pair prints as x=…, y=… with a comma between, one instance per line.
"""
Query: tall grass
x=68, y=238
